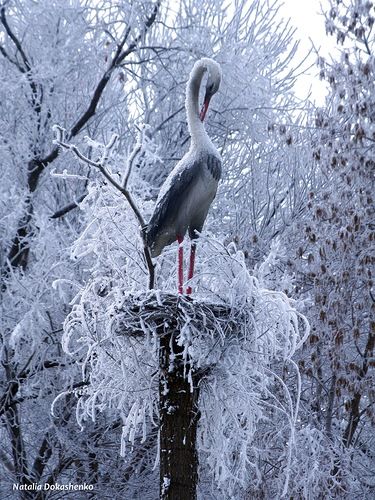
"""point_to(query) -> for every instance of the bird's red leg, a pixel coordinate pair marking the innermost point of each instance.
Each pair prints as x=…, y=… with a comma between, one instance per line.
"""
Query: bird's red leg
x=191, y=265
x=180, y=264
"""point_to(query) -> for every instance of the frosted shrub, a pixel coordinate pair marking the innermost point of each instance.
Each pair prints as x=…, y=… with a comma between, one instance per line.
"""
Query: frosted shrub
x=114, y=337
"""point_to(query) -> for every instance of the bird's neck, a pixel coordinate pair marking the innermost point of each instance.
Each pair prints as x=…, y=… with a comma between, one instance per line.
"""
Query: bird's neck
x=197, y=130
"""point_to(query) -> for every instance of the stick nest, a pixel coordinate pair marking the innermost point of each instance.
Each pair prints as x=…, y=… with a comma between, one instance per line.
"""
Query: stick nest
x=159, y=313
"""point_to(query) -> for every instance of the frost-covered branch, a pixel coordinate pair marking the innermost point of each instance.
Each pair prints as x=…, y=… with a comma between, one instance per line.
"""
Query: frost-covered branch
x=119, y=56
x=14, y=38
x=12, y=61
x=136, y=150
x=101, y=166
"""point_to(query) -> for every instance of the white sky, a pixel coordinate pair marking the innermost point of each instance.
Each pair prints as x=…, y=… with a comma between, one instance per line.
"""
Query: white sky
x=306, y=17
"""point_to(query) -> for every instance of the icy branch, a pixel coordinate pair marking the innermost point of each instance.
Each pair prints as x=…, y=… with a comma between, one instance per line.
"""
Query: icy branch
x=60, y=140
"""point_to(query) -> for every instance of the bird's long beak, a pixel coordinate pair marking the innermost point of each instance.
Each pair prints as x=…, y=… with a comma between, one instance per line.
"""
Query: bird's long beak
x=204, y=109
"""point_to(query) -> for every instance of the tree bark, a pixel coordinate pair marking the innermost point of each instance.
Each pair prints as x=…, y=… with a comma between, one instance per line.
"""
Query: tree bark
x=179, y=418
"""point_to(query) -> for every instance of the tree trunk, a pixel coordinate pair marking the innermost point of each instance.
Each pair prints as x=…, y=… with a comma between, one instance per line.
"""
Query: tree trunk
x=179, y=418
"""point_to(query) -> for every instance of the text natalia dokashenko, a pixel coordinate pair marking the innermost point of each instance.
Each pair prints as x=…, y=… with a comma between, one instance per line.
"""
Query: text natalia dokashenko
x=52, y=487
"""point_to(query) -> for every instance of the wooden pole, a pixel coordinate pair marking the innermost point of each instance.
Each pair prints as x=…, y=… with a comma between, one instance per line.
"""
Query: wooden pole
x=167, y=314
x=179, y=418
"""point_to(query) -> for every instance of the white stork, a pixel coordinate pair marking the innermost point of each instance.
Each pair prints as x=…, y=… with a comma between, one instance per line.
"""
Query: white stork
x=187, y=193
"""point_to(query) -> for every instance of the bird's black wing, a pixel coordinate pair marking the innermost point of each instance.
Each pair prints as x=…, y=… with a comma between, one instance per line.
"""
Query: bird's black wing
x=177, y=186
x=167, y=206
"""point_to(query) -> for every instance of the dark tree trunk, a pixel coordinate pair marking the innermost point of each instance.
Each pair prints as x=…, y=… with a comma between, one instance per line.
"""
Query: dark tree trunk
x=179, y=418
x=178, y=401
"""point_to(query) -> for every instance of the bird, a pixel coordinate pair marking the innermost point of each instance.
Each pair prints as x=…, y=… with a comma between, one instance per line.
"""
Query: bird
x=188, y=191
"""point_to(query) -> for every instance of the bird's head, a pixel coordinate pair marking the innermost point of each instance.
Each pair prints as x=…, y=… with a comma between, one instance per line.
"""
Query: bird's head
x=212, y=85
